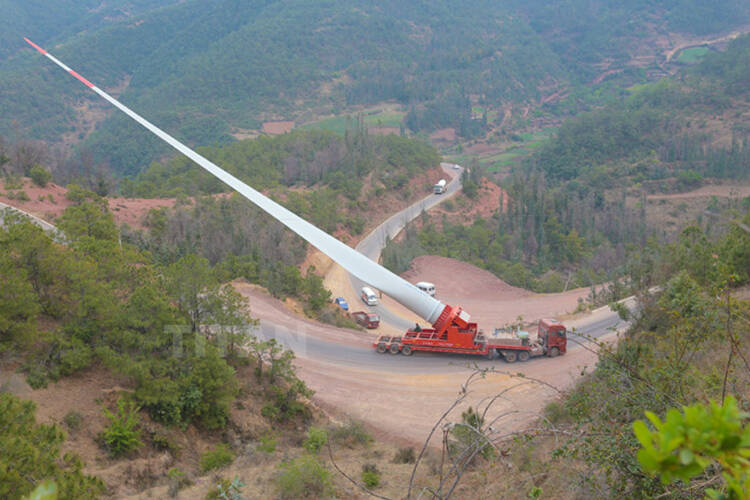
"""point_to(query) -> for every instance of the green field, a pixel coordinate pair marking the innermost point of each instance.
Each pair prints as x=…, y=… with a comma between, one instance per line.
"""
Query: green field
x=339, y=124
x=692, y=55
x=530, y=141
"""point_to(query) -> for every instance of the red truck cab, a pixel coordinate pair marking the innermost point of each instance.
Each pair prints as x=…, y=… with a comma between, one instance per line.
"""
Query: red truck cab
x=553, y=336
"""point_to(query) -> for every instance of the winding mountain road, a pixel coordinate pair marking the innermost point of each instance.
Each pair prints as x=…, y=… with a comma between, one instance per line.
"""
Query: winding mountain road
x=373, y=244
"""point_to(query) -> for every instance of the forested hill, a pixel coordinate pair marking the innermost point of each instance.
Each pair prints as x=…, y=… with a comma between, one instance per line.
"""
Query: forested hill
x=205, y=69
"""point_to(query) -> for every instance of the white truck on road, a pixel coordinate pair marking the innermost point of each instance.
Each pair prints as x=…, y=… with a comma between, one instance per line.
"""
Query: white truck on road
x=439, y=188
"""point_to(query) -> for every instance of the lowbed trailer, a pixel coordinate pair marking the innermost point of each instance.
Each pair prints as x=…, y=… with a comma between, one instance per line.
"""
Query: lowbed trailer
x=551, y=341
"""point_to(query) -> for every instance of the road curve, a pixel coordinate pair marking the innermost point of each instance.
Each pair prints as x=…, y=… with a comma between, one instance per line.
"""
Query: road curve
x=372, y=244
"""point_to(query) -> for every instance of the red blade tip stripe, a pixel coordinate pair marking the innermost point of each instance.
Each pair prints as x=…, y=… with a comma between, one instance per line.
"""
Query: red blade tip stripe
x=79, y=77
x=82, y=79
x=37, y=47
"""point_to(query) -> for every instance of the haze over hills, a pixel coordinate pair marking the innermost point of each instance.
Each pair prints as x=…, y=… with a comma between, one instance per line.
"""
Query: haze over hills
x=205, y=70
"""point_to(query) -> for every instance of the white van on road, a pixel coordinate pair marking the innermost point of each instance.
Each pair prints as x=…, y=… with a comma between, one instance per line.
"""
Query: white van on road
x=427, y=288
x=368, y=296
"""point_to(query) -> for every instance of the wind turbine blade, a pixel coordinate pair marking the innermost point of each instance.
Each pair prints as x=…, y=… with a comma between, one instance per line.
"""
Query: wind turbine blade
x=357, y=264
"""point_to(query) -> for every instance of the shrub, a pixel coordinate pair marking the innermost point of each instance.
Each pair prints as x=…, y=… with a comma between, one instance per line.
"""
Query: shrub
x=165, y=443
x=20, y=196
x=556, y=412
x=39, y=175
x=177, y=481
x=316, y=439
x=267, y=443
x=351, y=434
x=370, y=475
x=73, y=420
x=405, y=456
x=226, y=490
x=304, y=477
x=122, y=436
x=216, y=458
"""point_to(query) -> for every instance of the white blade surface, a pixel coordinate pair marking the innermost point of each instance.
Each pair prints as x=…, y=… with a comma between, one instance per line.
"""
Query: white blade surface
x=357, y=264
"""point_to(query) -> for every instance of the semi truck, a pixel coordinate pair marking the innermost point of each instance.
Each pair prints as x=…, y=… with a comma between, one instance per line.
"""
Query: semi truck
x=452, y=329
x=512, y=345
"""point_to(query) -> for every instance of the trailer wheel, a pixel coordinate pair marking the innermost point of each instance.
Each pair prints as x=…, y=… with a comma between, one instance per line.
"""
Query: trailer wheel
x=394, y=349
x=510, y=356
x=523, y=356
x=406, y=350
x=381, y=348
x=554, y=352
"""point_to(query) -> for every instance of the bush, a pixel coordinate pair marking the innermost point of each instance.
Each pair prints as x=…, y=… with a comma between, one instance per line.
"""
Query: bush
x=556, y=412
x=267, y=443
x=351, y=434
x=73, y=420
x=304, y=477
x=370, y=475
x=226, y=490
x=163, y=442
x=39, y=175
x=216, y=458
x=405, y=456
x=316, y=439
x=177, y=481
x=122, y=436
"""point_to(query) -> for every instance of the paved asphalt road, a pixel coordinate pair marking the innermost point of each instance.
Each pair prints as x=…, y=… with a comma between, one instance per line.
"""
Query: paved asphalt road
x=373, y=243
x=366, y=358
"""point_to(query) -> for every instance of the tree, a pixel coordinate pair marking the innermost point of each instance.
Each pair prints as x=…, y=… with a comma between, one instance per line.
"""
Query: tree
x=191, y=283
x=19, y=306
x=232, y=318
x=31, y=454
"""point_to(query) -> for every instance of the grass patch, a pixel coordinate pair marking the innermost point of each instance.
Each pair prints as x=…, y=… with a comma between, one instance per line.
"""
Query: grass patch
x=216, y=458
x=339, y=124
x=351, y=434
x=692, y=55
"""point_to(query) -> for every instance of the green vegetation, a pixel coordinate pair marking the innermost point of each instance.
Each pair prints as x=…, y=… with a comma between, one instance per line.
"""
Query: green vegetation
x=692, y=55
x=40, y=175
x=350, y=434
x=217, y=458
x=139, y=319
x=686, y=345
x=304, y=477
x=370, y=476
x=31, y=455
x=568, y=221
x=686, y=443
x=194, y=80
x=123, y=435
x=316, y=439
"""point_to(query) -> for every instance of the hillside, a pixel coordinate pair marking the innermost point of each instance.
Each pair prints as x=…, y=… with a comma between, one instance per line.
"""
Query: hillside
x=603, y=188
x=206, y=71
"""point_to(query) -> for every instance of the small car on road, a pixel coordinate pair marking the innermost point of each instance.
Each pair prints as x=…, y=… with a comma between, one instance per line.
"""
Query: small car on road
x=366, y=319
x=342, y=303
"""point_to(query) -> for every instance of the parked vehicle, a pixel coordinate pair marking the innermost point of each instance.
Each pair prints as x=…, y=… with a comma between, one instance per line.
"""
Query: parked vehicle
x=427, y=288
x=368, y=296
x=366, y=319
x=342, y=303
